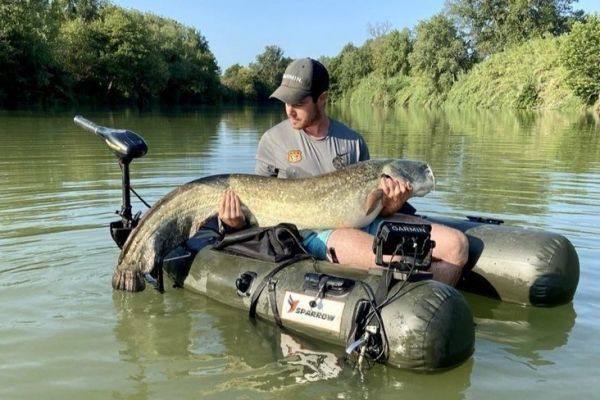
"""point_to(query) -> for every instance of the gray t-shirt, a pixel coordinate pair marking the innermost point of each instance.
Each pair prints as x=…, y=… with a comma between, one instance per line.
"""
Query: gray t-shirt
x=286, y=152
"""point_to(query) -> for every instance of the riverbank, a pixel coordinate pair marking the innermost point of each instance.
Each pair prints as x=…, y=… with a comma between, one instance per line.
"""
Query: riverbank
x=529, y=76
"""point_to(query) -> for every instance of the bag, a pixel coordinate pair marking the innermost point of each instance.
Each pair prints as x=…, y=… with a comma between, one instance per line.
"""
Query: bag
x=274, y=243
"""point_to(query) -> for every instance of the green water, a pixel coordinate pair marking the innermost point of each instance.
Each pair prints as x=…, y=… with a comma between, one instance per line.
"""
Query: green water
x=64, y=334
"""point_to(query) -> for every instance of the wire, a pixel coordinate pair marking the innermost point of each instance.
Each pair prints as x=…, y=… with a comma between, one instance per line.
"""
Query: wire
x=397, y=294
x=139, y=197
x=375, y=313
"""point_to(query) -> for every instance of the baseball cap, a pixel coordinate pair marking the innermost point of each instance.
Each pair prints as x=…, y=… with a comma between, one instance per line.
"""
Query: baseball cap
x=303, y=77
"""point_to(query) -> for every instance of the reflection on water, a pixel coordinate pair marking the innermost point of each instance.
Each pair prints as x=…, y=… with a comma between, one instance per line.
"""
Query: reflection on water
x=197, y=341
x=66, y=335
x=526, y=332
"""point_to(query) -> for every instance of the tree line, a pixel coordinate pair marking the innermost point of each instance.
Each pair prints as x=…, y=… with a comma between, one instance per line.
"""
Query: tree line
x=90, y=51
x=422, y=65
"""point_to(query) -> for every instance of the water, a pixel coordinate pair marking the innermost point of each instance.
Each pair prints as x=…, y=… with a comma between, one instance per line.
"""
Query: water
x=64, y=334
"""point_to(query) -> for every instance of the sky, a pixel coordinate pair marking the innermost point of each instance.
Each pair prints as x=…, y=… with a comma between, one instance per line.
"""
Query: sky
x=237, y=30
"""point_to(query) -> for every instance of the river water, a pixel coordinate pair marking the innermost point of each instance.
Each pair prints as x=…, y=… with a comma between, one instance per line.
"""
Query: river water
x=64, y=333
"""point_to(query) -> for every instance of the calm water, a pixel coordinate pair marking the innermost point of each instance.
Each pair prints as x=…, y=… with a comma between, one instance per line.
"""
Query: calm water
x=64, y=334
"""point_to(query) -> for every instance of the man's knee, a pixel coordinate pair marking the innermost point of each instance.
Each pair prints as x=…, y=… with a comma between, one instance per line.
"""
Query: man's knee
x=460, y=246
x=457, y=248
x=452, y=245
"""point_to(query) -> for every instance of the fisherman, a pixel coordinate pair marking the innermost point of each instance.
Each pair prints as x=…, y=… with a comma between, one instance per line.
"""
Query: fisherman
x=309, y=143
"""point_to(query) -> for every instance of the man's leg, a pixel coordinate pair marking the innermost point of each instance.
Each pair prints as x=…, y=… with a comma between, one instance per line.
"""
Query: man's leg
x=451, y=251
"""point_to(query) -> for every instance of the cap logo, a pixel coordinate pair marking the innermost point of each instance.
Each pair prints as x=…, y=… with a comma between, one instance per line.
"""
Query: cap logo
x=293, y=78
x=294, y=156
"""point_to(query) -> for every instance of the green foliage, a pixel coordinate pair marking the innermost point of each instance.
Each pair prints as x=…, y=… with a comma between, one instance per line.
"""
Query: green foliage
x=580, y=54
x=347, y=68
x=439, y=55
x=27, y=68
x=192, y=71
x=87, y=10
x=268, y=71
x=493, y=25
x=257, y=81
x=83, y=50
x=529, y=76
x=239, y=83
x=376, y=90
x=390, y=53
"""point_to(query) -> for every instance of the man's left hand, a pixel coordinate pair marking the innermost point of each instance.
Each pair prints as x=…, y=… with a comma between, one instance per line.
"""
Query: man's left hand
x=395, y=194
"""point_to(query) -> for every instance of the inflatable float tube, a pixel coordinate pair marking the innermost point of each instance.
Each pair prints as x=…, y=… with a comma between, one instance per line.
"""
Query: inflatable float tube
x=518, y=265
x=429, y=325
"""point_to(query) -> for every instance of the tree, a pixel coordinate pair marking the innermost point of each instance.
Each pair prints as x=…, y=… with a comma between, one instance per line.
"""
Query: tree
x=390, y=55
x=88, y=10
x=127, y=55
x=439, y=55
x=28, y=71
x=268, y=70
x=348, y=67
x=239, y=83
x=492, y=25
x=580, y=54
x=192, y=68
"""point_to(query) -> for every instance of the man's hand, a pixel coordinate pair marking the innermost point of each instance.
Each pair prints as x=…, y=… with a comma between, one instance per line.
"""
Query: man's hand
x=230, y=210
x=395, y=194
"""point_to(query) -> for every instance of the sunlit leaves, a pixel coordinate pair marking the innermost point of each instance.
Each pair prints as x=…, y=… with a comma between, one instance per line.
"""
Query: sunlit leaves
x=580, y=54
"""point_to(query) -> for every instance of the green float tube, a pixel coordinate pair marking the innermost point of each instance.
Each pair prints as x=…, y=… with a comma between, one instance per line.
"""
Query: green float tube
x=427, y=325
x=518, y=265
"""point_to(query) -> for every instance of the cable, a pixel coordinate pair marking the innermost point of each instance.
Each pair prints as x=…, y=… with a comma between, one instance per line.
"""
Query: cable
x=139, y=197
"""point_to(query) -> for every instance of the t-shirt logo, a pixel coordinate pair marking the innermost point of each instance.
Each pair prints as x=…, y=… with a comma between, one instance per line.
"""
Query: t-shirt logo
x=294, y=156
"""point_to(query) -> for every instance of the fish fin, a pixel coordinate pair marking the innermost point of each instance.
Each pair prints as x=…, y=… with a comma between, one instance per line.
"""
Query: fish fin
x=374, y=199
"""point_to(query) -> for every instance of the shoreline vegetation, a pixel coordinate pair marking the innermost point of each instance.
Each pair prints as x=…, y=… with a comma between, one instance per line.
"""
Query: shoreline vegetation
x=490, y=54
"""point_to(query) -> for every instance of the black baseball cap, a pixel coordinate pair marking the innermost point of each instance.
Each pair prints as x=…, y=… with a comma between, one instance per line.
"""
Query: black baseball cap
x=303, y=77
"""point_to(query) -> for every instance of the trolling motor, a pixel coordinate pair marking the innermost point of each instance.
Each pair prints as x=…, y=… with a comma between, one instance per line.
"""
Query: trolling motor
x=127, y=146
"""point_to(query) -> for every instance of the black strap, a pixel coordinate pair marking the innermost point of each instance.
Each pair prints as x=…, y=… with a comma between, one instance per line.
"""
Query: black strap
x=273, y=300
x=257, y=292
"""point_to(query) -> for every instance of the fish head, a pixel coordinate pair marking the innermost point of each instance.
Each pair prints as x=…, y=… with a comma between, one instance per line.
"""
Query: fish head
x=418, y=173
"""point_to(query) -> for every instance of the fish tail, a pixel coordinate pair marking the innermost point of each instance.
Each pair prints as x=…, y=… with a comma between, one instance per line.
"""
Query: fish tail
x=128, y=280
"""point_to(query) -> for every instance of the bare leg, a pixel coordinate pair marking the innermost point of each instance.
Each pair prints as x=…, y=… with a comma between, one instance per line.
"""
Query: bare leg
x=353, y=246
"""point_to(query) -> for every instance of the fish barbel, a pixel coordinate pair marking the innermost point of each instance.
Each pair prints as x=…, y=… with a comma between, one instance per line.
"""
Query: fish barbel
x=347, y=198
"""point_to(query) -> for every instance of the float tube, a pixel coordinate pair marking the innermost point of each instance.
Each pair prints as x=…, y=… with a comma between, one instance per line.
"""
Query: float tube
x=422, y=325
x=518, y=265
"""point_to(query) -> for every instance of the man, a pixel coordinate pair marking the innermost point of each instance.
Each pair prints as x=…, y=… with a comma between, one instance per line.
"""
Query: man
x=310, y=143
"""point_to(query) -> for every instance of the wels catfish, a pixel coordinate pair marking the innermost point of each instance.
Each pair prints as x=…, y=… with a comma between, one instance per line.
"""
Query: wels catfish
x=347, y=198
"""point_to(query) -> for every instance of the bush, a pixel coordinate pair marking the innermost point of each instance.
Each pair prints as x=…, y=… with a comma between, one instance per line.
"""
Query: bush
x=580, y=54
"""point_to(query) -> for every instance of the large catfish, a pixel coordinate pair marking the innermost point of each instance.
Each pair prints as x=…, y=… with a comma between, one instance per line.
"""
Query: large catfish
x=347, y=198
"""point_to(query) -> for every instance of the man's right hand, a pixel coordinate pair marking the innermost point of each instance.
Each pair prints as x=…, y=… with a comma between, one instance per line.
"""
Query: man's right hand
x=230, y=210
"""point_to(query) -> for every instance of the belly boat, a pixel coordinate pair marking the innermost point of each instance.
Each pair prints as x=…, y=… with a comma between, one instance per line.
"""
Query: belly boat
x=518, y=265
x=422, y=324
x=427, y=325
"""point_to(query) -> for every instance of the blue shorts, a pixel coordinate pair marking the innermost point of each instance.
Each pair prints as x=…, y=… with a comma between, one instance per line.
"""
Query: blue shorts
x=316, y=241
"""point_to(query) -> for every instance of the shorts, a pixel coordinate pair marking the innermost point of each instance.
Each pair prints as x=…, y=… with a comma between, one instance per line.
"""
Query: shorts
x=316, y=241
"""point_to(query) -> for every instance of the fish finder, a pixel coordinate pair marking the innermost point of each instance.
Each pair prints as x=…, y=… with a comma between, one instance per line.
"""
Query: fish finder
x=408, y=245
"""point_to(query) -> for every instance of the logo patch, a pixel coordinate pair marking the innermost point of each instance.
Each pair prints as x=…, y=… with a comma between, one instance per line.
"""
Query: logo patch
x=294, y=156
x=325, y=315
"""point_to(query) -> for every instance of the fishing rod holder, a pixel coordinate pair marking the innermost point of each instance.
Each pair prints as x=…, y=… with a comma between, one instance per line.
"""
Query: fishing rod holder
x=127, y=146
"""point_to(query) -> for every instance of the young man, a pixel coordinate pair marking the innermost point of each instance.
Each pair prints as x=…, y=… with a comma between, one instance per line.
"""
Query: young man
x=310, y=143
